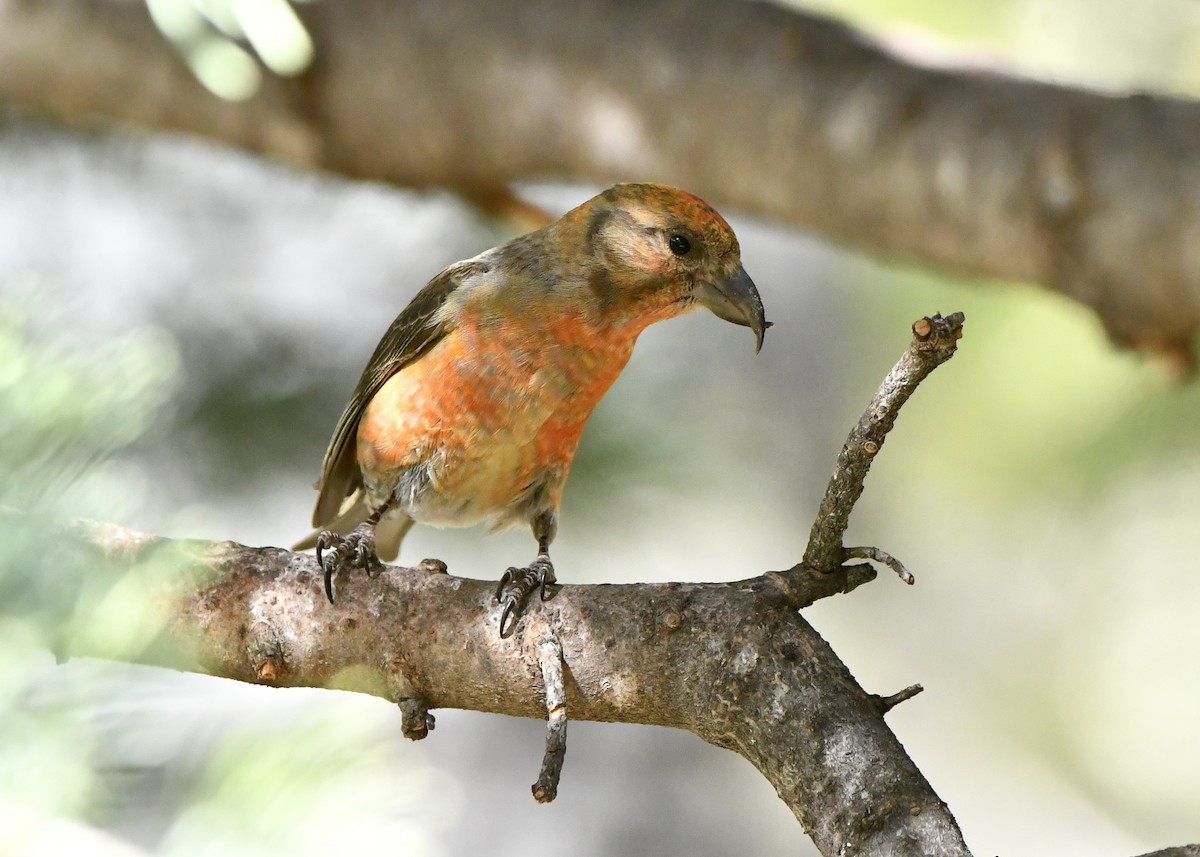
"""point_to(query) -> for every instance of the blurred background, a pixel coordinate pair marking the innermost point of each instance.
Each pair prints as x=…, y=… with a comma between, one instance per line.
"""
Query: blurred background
x=180, y=326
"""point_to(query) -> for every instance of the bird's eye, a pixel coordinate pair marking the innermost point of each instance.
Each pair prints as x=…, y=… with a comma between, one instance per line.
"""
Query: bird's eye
x=679, y=245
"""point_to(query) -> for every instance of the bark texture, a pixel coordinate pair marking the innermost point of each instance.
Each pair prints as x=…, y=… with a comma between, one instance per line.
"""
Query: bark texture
x=755, y=107
x=733, y=663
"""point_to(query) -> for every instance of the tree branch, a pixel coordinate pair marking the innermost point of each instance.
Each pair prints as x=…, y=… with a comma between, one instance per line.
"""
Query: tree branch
x=732, y=662
x=753, y=106
x=1177, y=851
x=934, y=342
x=729, y=662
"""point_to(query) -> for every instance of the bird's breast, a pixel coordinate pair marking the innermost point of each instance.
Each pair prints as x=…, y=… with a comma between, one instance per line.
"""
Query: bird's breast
x=484, y=426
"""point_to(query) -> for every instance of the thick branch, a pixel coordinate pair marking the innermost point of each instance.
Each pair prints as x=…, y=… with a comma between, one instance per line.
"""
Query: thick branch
x=729, y=662
x=753, y=106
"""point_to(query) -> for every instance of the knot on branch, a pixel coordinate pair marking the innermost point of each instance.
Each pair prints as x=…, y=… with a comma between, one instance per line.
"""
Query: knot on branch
x=938, y=333
x=415, y=720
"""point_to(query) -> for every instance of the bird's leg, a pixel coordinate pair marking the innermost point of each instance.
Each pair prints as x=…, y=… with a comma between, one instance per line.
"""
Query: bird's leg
x=354, y=550
x=517, y=583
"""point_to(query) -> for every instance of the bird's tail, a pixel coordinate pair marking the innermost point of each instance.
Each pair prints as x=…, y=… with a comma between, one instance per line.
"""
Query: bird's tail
x=389, y=532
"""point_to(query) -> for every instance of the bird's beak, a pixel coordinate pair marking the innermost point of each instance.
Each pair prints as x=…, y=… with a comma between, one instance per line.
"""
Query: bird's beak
x=735, y=298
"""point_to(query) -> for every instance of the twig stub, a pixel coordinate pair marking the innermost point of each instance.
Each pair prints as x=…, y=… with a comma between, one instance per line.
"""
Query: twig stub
x=883, y=558
x=887, y=703
x=415, y=720
x=550, y=660
x=938, y=331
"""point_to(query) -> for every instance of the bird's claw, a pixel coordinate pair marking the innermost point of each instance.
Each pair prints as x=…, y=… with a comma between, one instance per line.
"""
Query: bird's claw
x=515, y=587
x=336, y=553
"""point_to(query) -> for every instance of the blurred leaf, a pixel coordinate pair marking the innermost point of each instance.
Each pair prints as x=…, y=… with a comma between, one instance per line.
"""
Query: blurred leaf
x=214, y=38
x=274, y=793
x=66, y=411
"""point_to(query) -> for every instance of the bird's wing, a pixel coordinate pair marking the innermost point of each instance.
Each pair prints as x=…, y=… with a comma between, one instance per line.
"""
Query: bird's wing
x=417, y=329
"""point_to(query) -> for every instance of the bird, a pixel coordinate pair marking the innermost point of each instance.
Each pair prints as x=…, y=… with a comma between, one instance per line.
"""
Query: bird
x=472, y=406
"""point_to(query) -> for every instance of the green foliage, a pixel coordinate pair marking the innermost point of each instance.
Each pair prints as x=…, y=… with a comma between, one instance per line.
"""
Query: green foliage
x=266, y=793
x=85, y=745
x=67, y=411
x=44, y=757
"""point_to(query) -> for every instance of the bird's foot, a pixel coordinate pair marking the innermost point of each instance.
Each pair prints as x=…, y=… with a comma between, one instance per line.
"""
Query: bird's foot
x=344, y=553
x=517, y=584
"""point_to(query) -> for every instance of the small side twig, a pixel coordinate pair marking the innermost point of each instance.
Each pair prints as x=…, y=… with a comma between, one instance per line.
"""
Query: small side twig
x=550, y=659
x=883, y=558
x=934, y=342
x=887, y=703
x=415, y=720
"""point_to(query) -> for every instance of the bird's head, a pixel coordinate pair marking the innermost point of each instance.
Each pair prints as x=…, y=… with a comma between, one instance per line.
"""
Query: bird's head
x=654, y=252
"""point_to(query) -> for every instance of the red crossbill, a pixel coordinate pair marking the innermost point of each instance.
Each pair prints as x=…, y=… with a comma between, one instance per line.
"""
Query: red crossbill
x=472, y=406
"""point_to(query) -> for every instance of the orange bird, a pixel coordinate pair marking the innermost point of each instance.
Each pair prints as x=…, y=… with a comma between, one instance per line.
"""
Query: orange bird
x=471, y=408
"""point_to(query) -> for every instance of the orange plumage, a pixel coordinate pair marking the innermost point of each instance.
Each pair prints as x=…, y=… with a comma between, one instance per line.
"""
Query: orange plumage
x=473, y=404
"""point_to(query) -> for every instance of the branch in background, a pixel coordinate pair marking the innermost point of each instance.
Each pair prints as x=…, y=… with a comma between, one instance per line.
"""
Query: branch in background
x=752, y=106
